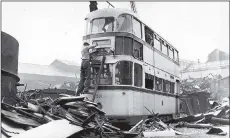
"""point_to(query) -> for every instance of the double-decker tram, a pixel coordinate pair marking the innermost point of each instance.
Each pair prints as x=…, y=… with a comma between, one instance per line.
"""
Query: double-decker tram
x=140, y=71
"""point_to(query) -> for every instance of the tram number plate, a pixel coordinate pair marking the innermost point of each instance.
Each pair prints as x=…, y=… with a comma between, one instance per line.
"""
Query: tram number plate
x=98, y=95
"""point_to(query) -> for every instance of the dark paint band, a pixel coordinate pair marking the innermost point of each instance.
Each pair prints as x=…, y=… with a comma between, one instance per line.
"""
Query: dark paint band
x=125, y=34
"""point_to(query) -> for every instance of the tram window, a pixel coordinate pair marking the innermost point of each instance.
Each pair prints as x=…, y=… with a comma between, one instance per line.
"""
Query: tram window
x=101, y=25
x=128, y=46
x=157, y=44
x=124, y=45
x=166, y=86
x=87, y=27
x=158, y=84
x=124, y=23
x=137, y=28
x=149, y=36
x=137, y=50
x=172, y=88
x=106, y=75
x=164, y=49
x=119, y=46
x=149, y=81
x=170, y=52
x=137, y=75
x=123, y=73
x=176, y=56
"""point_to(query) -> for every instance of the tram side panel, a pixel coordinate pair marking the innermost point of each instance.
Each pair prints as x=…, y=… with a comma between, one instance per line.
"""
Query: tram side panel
x=163, y=63
x=116, y=102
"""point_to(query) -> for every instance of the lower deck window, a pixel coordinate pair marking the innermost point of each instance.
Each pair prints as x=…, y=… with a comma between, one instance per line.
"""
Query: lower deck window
x=123, y=73
x=106, y=74
x=137, y=75
x=172, y=87
x=158, y=82
x=166, y=86
x=149, y=81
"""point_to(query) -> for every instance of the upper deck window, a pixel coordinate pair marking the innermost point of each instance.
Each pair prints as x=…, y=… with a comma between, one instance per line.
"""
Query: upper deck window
x=176, y=57
x=137, y=28
x=157, y=43
x=164, y=48
x=101, y=25
x=124, y=23
x=123, y=73
x=171, y=52
x=149, y=36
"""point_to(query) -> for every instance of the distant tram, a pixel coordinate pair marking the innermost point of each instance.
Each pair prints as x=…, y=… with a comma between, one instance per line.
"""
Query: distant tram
x=141, y=69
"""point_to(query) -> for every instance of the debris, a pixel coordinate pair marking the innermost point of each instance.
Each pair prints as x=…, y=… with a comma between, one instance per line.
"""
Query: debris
x=217, y=131
x=164, y=133
x=215, y=120
x=189, y=125
x=56, y=129
x=44, y=113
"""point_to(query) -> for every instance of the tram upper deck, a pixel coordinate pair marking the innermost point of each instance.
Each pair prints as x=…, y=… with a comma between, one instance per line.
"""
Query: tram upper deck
x=120, y=32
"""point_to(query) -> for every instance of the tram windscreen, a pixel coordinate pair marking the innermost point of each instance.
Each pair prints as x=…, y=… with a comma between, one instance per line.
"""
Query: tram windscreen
x=102, y=25
x=106, y=75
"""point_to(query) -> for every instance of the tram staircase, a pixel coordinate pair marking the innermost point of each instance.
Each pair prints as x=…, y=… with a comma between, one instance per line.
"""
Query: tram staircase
x=99, y=64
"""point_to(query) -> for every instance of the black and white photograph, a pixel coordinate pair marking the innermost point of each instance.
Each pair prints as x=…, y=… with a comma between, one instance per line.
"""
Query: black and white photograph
x=110, y=69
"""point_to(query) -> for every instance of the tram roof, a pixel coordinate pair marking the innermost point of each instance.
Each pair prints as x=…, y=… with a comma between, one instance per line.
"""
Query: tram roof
x=108, y=12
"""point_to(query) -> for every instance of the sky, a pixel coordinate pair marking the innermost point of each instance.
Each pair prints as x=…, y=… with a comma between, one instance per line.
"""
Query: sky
x=53, y=30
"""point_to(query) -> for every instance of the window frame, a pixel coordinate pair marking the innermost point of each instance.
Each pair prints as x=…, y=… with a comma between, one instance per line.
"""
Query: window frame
x=152, y=78
x=134, y=75
x=134, y=18
x=131, y=76
x=171, y=49
x=151, y=31
x=131, y=31
x=157, y=38
x=91, y=24
x=156, y=86
x=163, y=44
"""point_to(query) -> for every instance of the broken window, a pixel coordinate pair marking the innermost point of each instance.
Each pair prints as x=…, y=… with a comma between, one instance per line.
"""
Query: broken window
x=123, y=73
x=149, y=81
x=149, y=36
x=158, y=84
x=102, y=25
x=137, y=75
x=106, y=74
x=124, y=23
x=157, y=43
x=137, y=50
x=166, y=86
x=137, y=28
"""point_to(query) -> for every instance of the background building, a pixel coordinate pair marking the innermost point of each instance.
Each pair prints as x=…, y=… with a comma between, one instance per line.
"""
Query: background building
x=59, y=74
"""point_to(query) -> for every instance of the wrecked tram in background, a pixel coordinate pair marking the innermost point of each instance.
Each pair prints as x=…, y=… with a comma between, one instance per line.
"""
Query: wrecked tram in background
x=141, y=69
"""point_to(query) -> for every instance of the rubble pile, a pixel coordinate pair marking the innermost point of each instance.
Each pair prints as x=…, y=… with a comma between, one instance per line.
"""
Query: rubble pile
x=198, y=84
x=153, y=127
x=215, y=117
x=38, y=113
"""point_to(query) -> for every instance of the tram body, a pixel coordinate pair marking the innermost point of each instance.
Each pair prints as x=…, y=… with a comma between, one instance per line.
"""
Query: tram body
x=138, y=74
